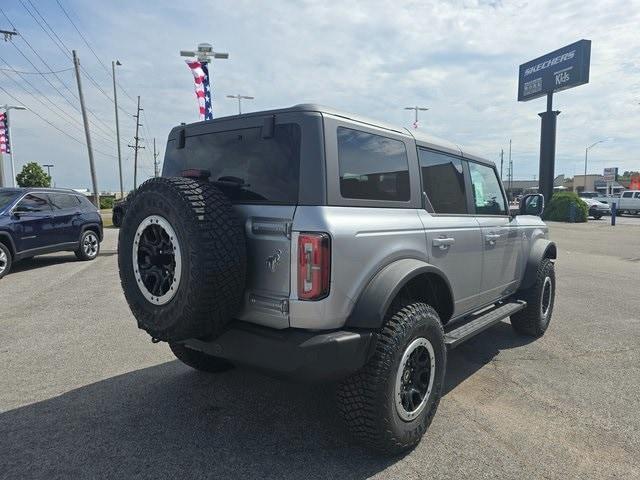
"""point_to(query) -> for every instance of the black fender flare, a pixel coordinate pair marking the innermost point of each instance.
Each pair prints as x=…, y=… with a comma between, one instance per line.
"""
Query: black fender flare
x=8, y=241
x=374, y=301
x=542, y=248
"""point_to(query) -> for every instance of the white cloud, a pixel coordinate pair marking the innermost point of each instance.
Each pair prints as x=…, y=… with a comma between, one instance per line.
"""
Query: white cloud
x=458, y=58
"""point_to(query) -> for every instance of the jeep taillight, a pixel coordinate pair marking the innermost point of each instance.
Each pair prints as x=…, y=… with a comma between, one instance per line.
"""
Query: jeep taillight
x=314, y=261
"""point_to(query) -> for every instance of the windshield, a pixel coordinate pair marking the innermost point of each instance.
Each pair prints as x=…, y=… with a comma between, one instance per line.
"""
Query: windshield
x=6, y=198
x=246, y=166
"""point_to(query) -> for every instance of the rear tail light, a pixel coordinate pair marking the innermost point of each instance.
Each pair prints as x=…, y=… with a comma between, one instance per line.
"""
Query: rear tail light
x=314, y=261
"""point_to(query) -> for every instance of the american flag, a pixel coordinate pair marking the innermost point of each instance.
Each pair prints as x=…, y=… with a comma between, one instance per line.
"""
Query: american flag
x=4, y=134
x=203, y=89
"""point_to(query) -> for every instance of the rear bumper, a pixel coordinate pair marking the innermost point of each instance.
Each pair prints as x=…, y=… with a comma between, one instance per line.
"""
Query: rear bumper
x=291, y=353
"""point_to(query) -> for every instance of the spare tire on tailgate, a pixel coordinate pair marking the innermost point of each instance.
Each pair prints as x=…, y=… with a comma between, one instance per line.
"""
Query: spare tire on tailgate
x=182, y=258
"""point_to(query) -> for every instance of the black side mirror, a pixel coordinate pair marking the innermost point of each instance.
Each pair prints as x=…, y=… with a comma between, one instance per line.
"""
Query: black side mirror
x=532, y=204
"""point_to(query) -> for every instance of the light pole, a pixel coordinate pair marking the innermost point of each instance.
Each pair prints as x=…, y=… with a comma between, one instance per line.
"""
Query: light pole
x=115, y=101
x=416, y=109
x=7, y=108
x=586, y=156
x=49, y=167
x=240, y=98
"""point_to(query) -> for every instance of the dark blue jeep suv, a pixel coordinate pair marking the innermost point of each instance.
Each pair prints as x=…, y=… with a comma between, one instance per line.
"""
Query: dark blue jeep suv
x=34, y=221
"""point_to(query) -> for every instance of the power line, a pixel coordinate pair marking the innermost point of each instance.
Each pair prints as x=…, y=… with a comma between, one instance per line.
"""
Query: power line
x=51, y=124
x=36, y=73
x=108, y=128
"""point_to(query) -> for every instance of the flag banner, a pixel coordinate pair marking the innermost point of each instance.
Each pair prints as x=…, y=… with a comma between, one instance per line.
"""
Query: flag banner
x=4, y=134
x=202, y=87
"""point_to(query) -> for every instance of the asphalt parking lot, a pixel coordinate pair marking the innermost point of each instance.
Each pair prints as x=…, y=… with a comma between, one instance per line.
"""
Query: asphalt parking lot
x=85, y=394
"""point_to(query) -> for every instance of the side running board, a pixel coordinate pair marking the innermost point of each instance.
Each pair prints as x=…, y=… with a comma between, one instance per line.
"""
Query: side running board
x=480, y=322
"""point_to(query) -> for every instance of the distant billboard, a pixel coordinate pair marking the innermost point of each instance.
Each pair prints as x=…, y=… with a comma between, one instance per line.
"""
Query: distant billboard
x=610, y=174
x=564, y=68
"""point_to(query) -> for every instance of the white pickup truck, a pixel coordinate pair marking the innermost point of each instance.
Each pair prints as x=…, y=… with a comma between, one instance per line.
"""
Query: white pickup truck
x=628, y=202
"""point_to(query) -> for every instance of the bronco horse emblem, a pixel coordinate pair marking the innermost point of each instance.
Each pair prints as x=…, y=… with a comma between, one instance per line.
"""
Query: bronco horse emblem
x=273, y=260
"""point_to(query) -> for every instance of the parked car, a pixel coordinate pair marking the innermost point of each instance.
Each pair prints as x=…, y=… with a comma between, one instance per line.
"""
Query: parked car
x=321, y=246
x=35, y=221
x=597, y=209
x=119, y=211
x=629, y=202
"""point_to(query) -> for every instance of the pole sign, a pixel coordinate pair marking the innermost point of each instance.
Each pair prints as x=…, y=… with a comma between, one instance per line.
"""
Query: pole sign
x=609, y=174
x=564, y=68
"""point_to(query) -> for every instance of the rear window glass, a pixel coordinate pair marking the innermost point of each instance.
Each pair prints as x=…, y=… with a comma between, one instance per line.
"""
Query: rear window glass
x=247, y=167
x=372, y=167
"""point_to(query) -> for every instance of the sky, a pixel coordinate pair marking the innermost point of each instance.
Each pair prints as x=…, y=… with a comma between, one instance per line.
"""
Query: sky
x=460, y=59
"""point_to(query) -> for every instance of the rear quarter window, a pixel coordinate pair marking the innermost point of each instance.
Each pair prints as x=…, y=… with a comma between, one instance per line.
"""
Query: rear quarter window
x=372, y=167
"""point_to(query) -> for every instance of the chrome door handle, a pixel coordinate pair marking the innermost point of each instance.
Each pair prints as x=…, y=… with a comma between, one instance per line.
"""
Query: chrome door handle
x=443, y=242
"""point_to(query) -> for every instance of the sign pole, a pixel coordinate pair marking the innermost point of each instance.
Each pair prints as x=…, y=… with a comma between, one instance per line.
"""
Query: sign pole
x=548, y=149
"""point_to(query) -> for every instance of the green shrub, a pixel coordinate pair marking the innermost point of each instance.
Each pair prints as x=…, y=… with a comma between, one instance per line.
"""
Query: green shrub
x=106, y=203
x=559, y=208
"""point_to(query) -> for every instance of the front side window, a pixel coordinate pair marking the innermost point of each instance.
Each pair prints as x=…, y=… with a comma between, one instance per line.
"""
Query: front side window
x=487, y=193
x=637, y=195
x=443, y=182
x=33, y=202
x=246, y=166
x=372, y=167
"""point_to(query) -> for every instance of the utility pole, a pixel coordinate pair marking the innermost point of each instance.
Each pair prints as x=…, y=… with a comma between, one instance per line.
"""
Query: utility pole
x=510, y=168
x=501, y=162
x=416, y=109
x=115, y=100
x=92, y=167
x=136, y=146
x=156, y=165
x=240, y=98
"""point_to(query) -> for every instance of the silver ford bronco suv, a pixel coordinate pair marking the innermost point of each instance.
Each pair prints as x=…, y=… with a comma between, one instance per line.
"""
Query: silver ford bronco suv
x=320, y=246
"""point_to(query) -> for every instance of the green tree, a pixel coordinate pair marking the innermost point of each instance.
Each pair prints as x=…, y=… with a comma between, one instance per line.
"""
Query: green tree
x=32, y=175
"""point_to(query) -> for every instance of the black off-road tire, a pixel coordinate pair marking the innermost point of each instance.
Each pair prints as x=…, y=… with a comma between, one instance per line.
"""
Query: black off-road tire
x=531, y=320
x=85, y=252
x=212, y=251
x=9, y=259
x=116, y=218
x=367, y=400
x=198, y=360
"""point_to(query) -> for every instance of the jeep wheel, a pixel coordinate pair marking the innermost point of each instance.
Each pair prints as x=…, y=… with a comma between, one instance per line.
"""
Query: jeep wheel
x=182, y=258
x=5, y=260
x=534, y=319
x=89, y=246
x=116, y=218
x=198, y=360
x=390, y=403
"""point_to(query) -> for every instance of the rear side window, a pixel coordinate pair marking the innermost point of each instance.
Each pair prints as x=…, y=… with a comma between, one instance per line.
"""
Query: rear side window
x=247, y=167
x=372, y=167
x=63, y=201
x=627, y=194
x=85, y=202
x=443, y=182
x=487, y=194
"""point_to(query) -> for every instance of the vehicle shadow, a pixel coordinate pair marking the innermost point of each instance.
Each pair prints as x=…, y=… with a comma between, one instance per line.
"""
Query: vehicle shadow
x=42, y=261
x=168, y=421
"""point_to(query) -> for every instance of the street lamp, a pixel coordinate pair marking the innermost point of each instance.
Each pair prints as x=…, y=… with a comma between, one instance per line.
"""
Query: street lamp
x=416, y=109
x=49, y=167
x=115, y=101
x=240, y=98
x=204, y=53
x=586, y=156
x=7, y=108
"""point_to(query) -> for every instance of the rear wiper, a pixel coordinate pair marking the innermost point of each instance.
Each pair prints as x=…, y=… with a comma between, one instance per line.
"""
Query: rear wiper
x=229, y=181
